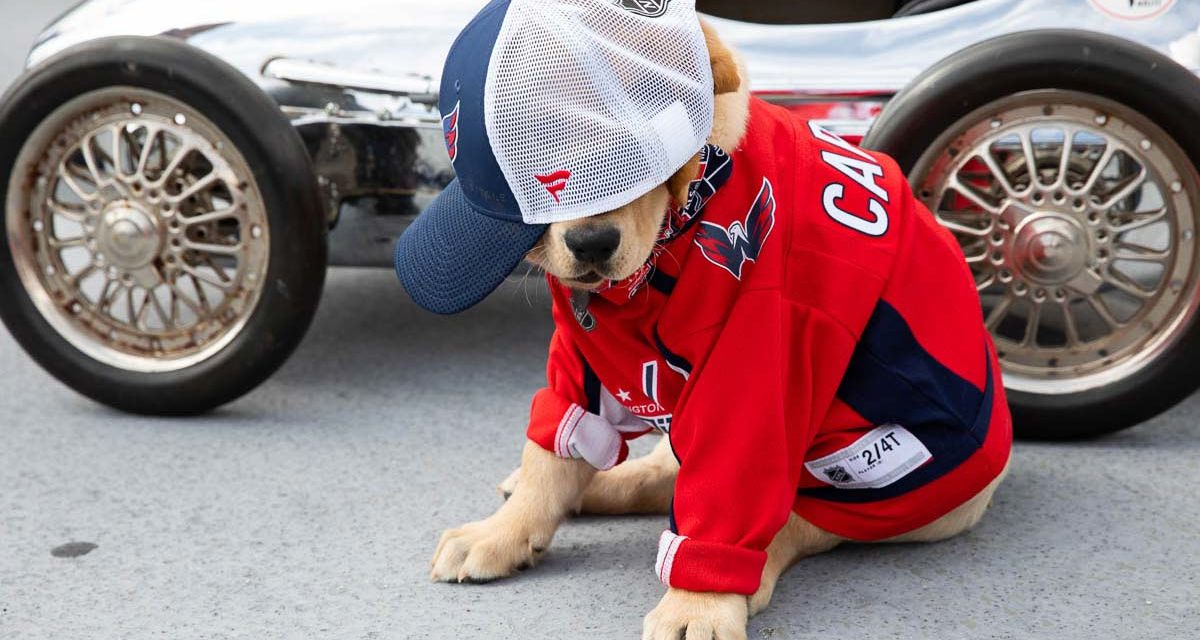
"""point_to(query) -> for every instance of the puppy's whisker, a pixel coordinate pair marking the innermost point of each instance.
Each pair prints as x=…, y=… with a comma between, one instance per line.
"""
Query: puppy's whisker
x=525, y=287
x=525, y=292
x=666, y=251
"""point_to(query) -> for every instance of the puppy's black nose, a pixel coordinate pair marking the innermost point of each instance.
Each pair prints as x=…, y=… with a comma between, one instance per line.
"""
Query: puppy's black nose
x=593, y=244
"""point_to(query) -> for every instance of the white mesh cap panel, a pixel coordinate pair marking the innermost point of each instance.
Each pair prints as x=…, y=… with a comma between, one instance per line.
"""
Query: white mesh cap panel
x=589, y=105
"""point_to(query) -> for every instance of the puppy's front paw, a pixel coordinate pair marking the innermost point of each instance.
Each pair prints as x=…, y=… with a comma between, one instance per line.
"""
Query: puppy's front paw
x=697, y=616
x=486, y=550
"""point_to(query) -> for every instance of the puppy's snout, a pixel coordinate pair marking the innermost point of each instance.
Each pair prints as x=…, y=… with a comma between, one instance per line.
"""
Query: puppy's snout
x=593, y=244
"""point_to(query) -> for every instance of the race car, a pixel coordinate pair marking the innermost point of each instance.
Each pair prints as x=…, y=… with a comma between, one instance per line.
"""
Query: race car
x=177, y=176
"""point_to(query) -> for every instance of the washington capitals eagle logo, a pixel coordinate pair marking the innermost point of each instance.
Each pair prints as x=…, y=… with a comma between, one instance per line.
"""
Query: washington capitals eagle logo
x=730, y=247
x=450, y=131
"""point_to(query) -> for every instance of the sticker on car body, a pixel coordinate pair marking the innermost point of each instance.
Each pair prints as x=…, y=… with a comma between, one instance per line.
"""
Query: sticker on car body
x=1132, y=9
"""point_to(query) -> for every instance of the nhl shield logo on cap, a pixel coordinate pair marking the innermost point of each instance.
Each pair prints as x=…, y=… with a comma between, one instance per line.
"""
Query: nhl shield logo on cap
x=648, y=8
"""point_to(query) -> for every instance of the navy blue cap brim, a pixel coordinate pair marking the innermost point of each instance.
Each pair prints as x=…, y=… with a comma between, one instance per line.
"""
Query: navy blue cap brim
x=452, y=256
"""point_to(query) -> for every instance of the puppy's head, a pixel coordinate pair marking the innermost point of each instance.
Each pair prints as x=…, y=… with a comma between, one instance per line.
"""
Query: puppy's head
x=587, y=252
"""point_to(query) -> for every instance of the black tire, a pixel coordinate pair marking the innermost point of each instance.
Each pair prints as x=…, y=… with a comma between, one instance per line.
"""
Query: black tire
x=1111, y=68
x=285, y=180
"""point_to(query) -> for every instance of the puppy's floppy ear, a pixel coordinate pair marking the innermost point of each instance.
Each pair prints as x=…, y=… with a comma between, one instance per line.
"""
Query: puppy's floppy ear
x=726, y=78
x=677, y=184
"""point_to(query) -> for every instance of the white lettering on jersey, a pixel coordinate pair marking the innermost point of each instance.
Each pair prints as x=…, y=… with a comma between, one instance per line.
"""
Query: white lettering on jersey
x=865, y=172
x=650, y=389
x=860, y=171
x=826, y=135
x=878, y=227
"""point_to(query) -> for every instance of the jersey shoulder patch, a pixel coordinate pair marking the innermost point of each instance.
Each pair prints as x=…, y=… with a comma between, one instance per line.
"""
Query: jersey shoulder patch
x=732, y=246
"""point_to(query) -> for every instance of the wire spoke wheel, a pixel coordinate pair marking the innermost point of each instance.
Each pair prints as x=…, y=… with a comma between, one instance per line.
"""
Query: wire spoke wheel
x=1076, y=220
x=139, y=233
x=164, y=243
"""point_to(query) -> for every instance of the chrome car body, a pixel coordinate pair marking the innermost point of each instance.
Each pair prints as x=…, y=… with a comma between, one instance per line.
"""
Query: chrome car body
x=359, y=78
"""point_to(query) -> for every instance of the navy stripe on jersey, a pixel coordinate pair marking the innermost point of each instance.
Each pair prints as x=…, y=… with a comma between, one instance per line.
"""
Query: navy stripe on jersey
x=677, y=362
x=591, y=389
x=650, y=380
x=891, y=379
x=661, y=282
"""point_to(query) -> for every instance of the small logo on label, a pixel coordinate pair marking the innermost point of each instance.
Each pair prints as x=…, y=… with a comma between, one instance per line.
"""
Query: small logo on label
x=555, y=182
x=838, y=473
x=1133, y=9
x=450, y=131
x=880, y=457
x=648, y=8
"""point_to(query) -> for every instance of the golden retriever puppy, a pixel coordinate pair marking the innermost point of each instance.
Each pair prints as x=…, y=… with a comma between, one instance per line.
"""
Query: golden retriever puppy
x=797, y=327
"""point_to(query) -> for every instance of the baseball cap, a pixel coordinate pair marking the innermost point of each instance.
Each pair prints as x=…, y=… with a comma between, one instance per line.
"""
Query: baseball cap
x=553, y=110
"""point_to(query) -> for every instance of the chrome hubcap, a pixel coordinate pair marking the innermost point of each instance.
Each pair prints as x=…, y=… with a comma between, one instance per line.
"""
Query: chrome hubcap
x=1076, y=217
x=128, y=236
x=1050, y=249
x=137, y=230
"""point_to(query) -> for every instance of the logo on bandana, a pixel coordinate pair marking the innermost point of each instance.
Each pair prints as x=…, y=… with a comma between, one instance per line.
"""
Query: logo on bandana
x=450, y=131
x=731, y=247
x=715, y=167
x=648, y=8
x=579, y=307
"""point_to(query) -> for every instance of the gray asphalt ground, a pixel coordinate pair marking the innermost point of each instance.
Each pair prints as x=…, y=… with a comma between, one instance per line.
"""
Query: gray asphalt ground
x=310, y=508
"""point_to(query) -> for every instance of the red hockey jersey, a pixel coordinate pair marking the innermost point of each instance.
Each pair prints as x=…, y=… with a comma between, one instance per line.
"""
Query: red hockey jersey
x=807, y=336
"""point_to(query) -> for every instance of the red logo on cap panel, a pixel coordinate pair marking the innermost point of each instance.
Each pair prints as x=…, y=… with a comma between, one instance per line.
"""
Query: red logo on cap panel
x=554, y=182
x=450, y=132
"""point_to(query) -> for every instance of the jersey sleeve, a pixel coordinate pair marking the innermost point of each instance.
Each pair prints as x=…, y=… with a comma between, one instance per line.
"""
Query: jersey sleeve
x=561, y=403
x=573, y=416
x=748, y=416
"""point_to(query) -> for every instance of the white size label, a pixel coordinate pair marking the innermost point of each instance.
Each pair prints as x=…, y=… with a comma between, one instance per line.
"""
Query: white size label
x=877, y=459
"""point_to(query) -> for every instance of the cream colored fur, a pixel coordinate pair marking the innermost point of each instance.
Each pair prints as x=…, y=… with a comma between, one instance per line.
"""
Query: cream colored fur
x=732, y=112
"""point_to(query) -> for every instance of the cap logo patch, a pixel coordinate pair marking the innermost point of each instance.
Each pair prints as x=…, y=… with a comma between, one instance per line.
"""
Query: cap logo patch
x=450, y=131
x=648, y=8
x=554, y=182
